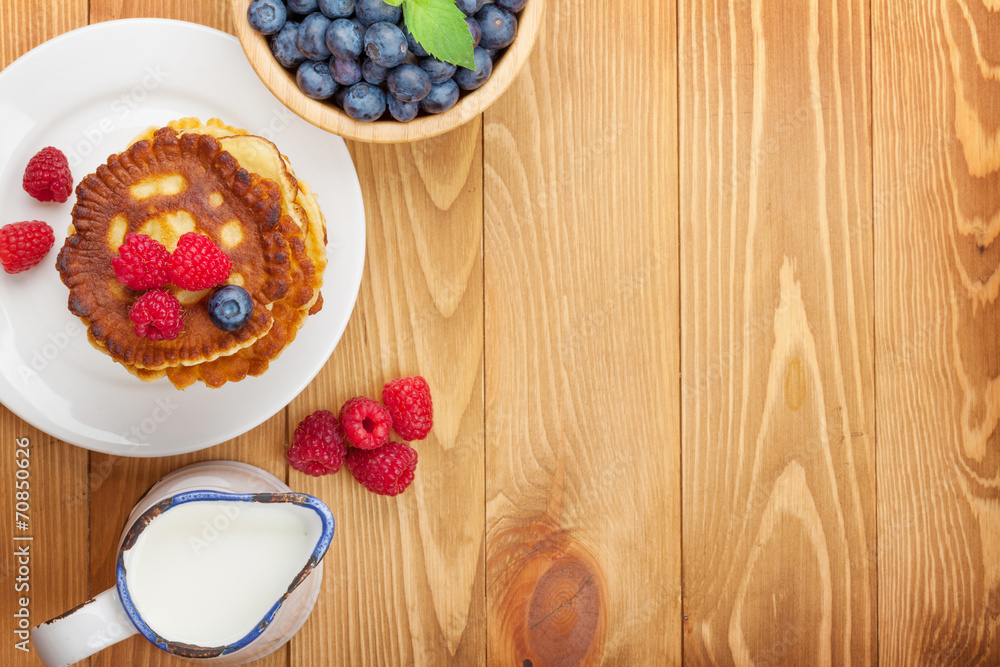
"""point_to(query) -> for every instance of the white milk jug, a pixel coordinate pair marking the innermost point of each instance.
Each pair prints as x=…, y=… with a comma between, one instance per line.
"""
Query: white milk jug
x=219, y=562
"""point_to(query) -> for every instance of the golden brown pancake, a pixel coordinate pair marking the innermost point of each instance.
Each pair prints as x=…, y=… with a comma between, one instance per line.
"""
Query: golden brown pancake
x=299, y=203
x=297, y=240
x=164, y=188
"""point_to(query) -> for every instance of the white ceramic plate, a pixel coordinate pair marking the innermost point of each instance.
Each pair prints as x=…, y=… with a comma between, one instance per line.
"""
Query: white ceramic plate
x=88, y=92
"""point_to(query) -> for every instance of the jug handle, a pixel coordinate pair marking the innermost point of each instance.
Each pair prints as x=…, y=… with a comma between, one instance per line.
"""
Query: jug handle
x=82, y=631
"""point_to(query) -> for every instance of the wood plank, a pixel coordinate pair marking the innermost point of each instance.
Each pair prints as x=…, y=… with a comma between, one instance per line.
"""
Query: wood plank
x=777, y=317
x=404, y=579
x=23, y=26
x=57, y=552
x=582, y=399
x=213, y=14
x=57, y=524
x=936, y=82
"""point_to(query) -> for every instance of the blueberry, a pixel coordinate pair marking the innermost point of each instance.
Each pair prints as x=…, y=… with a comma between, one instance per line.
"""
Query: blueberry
x=404, y=112
x=513, y=6
x=373, y=11
x=312, y=36
x=315, y=79
x=338, y=97
x=477, y=32
x=344, y=39
x=438, y=70
x=267, y=16
x=470, y=7
x=412, y=44
x=372, y=73
x=345, y=71
x=498, y=25
x=303, y=7
x=409, y=83
x=230, y=307
x=364, y=102
x=336, y=9
x=441, y=98
x=285, y=45
x=385, y=44
x=468, y=79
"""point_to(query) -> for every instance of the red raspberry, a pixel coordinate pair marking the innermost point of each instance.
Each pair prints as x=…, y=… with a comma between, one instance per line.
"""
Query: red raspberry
x=24, y=244
x=318, y=446
x=47, y=177
x=157, y=315
x=197, y=263
x=142, y=262
x=409, y=403
x=387, y=470
x=366, y=423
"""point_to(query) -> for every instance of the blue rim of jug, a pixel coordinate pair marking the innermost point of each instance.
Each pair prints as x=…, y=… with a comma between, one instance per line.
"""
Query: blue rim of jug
x=191, y=650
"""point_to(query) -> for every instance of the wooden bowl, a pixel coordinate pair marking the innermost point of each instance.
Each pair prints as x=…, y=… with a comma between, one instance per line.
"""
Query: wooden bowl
x=328, y=116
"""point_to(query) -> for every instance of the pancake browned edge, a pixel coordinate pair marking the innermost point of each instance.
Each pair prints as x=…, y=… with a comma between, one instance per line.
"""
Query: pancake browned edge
x=299, y=204
x=298, y=237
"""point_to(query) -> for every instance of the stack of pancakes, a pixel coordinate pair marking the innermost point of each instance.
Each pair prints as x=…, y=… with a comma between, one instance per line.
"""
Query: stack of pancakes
x=216, y=180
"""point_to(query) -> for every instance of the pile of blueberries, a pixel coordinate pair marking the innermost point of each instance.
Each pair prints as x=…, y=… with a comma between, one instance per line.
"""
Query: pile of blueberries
x=360, y=54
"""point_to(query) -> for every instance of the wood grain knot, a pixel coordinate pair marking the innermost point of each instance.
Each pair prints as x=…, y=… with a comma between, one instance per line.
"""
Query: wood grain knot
x=564, y=613
x=551, y=599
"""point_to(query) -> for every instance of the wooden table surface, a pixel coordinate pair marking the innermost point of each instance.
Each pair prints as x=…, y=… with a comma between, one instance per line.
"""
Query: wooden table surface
x=707, y=301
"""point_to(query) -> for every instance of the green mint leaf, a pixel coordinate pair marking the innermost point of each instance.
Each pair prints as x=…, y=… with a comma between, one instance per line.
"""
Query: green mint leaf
x=394, y=3
x=439, y=26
